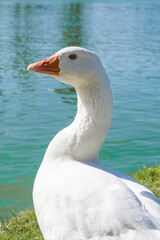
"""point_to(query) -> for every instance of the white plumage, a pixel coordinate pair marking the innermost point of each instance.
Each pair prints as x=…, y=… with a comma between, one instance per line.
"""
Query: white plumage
x=75, y=197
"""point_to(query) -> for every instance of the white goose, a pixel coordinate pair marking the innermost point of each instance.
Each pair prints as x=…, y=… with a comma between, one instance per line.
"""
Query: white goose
x=75, y=197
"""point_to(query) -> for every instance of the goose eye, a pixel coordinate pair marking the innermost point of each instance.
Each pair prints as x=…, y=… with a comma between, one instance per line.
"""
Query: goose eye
x=73, y=56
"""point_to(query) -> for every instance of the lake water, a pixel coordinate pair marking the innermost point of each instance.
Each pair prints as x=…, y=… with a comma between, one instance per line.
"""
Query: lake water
x=34, y=107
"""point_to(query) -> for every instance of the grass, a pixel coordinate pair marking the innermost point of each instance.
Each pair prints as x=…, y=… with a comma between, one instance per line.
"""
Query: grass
x=24, y=226
x=151, y=178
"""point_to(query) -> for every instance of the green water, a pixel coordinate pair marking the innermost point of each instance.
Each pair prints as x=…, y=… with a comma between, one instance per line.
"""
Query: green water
x=34, y=107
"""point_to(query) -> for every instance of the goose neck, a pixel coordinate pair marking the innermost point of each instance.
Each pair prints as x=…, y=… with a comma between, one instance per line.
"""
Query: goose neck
x=93, y=119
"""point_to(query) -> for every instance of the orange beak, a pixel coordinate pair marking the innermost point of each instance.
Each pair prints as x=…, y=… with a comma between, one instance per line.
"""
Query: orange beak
x=47, y=66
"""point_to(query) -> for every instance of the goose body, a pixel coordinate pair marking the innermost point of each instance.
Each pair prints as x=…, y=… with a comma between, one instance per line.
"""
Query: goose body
x=75, y=197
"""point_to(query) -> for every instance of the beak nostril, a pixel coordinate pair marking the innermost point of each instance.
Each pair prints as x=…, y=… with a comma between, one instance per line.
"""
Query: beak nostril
x=44, y=62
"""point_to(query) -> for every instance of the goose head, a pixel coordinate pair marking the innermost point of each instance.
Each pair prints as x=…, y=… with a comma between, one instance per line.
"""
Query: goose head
x=75, y=66
x=82, y=69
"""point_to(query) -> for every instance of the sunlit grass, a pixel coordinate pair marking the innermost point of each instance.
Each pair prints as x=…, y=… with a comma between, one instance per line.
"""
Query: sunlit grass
x=151, y=178
x=24, y=226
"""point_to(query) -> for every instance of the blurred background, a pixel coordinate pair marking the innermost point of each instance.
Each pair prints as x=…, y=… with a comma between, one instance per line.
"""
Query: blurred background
x=34, y=107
